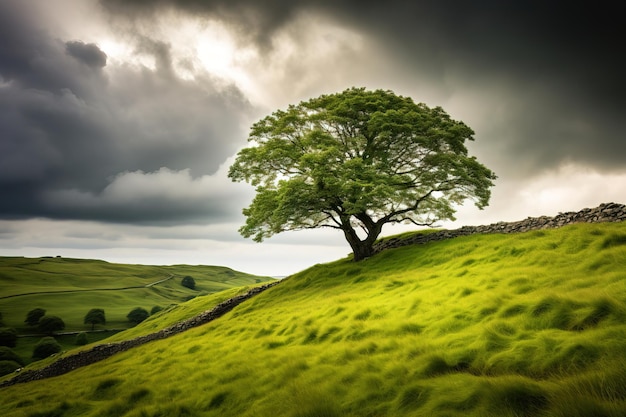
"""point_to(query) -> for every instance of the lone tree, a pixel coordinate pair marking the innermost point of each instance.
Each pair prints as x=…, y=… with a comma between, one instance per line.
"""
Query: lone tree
x=47, y=346
x=355, y=161
x=33, y=316
x=189, y=282
x=50, y=324
x=137, y=315
x=95, y=316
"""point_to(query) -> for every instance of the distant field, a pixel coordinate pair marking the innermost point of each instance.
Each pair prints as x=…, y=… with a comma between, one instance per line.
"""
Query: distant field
x=516, y=325
x=95, y=284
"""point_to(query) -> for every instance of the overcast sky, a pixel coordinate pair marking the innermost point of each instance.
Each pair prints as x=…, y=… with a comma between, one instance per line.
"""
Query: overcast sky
x=119, y=119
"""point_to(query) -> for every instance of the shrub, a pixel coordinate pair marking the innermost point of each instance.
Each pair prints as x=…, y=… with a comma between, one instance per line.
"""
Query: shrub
x=155, y=310
x=50, y=324
x=6, y=367
x=7, y=354
x=47, y=346
x=189, y=282
x=8, y=336
x=33, y=316
x=137, y=315
x=81, y=339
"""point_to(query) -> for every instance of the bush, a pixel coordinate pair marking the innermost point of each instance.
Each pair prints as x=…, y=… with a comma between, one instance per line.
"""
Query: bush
x=50, y=324
x=47, y=346
x=81, y=339
x=7, y=354
x=8, y=336
x=1, y=322
x=189, y=282
x=6, y=367
x=33, y=316
x=155, y=310
x=137, y=315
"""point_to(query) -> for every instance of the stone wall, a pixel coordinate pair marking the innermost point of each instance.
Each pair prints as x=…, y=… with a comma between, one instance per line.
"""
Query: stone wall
x=608, y=212
x=97, y=353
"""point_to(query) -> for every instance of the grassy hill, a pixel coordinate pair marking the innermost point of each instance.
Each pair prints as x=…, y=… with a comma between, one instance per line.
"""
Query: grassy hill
x=529, y=324
x=69, y=288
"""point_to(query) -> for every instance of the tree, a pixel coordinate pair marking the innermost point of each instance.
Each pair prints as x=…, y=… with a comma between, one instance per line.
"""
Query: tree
x=47, y=346
x=188, y=282
x=81, y=339
x=137, y=315
x=33, y=316
x=7, y=354
x=95, y=316
x=6, y=367
x=355, y=161
x=8, y=336
x=155, y=310
x=50, y=324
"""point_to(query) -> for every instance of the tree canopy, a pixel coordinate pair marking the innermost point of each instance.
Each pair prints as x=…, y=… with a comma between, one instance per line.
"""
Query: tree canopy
x=137, y=315
x=33, y=316
x=95, y=316
x=50, y=324
x=355, y=161
x=189, y=282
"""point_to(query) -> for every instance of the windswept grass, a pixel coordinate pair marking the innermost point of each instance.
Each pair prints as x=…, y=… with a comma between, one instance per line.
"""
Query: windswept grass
x=488, y=325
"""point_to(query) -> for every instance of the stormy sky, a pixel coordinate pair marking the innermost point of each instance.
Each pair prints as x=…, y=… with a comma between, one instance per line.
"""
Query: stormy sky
x=119, y=119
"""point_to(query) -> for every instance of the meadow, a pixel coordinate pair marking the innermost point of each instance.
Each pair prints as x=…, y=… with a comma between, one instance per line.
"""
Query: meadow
x=530, y=324
x=69, y=288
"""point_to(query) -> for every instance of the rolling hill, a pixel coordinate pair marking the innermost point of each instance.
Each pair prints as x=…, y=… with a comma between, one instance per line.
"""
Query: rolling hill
x=69, y=288
x=527, y=324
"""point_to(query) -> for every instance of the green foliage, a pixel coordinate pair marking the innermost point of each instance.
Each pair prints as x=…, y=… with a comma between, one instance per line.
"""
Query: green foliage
x=8, y=336
x=47, y=346
x=357, y=160
x=137, y=315
x=1, y=322
x=7, y=354
x=81, y=339
x=7, y=367
x=33, y=316
x=155, y=310
x=95, y=316
x=189, y=282
x=50, y=324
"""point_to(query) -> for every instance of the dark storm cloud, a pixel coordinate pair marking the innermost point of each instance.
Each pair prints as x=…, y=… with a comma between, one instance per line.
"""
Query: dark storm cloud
x=87, y=53
x=556, y=68
x=68, y=129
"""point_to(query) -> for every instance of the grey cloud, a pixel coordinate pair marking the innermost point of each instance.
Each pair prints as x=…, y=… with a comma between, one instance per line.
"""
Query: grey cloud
x=562, y=57
x=88, y=53
x=66, y=126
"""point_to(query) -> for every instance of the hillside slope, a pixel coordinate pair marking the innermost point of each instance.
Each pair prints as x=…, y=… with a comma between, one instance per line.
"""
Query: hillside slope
x=68, y=287
x=530, y=324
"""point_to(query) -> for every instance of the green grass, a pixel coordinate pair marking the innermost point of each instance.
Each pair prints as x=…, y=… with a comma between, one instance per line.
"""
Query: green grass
x=40, y=279
x=530, y=324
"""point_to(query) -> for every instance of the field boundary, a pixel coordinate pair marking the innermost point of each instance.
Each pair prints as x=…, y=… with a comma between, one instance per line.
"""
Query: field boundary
x=135, y=287
x=100, y=352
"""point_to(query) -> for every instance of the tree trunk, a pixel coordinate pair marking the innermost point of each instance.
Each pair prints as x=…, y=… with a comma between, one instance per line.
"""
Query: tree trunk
x=361, y=249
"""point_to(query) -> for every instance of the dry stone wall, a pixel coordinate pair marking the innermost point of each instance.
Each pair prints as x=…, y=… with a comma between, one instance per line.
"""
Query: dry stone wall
x=608, y=212
x=68, y=363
